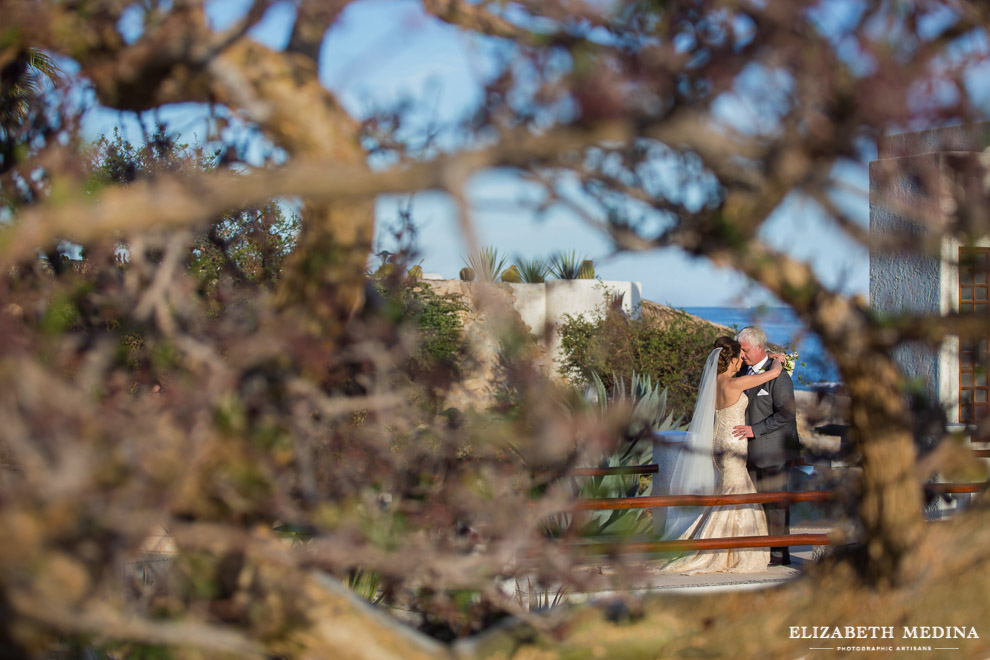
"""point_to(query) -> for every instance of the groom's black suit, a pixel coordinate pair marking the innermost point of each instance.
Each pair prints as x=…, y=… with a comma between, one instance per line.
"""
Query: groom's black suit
x=772, y=414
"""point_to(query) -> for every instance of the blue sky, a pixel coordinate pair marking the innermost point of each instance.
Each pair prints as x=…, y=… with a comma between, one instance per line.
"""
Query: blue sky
x=381, y=51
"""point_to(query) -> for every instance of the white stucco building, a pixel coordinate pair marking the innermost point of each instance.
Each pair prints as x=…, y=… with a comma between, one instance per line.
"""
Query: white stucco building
x=950, y=276
x=546, y=304
x=544, y=307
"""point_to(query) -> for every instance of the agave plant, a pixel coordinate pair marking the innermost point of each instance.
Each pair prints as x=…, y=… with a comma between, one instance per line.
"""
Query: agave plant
x=647, y=406
x=565, y=265
x=533, y=271
x=367, y=585
x=540, y=598
x=486, y=263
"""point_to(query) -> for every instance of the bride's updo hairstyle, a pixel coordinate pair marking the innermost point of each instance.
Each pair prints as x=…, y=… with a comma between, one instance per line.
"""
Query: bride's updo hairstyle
x=731, y=349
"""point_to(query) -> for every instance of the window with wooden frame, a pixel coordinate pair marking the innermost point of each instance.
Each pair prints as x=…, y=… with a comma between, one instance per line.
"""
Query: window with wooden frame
x=974, y=298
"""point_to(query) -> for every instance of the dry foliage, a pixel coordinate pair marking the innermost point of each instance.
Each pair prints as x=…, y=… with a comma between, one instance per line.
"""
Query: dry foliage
x=269, y=425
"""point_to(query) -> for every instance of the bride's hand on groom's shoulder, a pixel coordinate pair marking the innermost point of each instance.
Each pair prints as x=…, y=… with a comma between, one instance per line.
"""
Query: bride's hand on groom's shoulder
x=777, y=366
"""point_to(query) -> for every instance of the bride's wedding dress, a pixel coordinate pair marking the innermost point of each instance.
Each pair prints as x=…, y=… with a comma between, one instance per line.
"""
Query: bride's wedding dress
x=731, y=476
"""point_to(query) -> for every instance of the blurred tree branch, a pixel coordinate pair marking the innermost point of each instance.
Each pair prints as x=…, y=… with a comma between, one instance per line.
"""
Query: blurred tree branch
x=143, y=393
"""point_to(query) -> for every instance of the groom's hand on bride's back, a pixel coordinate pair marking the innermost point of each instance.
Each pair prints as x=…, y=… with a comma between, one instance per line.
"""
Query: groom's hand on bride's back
x=742, y=431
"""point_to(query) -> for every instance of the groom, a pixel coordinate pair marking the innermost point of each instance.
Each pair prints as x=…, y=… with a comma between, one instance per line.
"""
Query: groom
x=772, y=427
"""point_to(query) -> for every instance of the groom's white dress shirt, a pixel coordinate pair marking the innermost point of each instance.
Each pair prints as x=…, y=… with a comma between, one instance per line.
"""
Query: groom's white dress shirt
x=758, y=367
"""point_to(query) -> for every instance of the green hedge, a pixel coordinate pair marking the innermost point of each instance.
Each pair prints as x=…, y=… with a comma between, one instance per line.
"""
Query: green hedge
x=611, y=345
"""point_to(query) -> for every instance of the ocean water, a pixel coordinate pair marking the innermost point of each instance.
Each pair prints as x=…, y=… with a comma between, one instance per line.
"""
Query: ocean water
x=815, y=369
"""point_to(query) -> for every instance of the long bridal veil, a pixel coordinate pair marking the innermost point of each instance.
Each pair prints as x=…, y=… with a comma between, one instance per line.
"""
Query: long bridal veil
x=694, y=467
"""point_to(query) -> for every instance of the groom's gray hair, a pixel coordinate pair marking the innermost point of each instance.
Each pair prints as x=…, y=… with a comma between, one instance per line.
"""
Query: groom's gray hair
x=752, y=336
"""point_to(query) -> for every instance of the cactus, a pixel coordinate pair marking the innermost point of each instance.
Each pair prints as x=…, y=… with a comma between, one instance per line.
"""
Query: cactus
x=511, y=274
x=586, y=271
x=467, y=274
x=385, y=270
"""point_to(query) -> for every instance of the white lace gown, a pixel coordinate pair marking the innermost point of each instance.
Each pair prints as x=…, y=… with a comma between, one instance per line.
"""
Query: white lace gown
x=731, y=477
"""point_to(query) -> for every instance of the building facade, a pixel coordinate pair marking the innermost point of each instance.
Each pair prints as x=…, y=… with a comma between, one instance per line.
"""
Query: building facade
x=913, y=185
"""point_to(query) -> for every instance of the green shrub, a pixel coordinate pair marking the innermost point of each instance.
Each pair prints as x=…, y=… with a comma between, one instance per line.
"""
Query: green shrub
x=439, y=323
x=672, y=354
x=441, y=339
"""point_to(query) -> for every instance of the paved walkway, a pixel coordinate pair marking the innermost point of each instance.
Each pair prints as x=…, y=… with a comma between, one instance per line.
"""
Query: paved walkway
x=710, y=582
x=648, y=580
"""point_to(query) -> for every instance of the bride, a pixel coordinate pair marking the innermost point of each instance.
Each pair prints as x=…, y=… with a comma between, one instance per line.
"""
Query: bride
x=714, y=462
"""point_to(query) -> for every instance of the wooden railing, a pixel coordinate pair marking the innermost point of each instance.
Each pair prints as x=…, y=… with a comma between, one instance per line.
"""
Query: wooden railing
x=648, y=502
x=652, y=468
x=790, y=497
x=604, y=504
x=706, y=544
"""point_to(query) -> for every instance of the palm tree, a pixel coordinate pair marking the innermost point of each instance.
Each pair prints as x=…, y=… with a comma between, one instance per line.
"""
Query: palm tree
x=21, y=85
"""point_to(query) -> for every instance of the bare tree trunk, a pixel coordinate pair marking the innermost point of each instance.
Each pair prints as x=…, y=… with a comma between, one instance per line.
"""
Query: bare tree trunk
x=890, y=498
